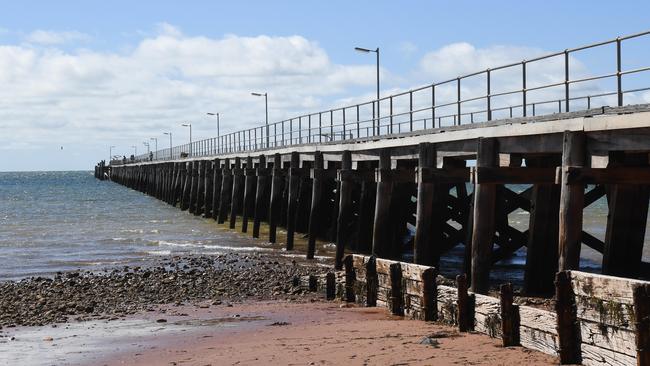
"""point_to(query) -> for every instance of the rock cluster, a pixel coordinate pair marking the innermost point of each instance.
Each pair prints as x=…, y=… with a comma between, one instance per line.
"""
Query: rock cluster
x=118, y=292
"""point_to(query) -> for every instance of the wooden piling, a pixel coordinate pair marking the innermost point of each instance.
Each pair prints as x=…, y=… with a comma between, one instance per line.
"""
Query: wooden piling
x=187, y=184
x=641, y=301
x=541, y=251
x=396, y=300
x=571, y=201
x=350, y=279
x=330, y=285
x=216, y=187
x=382, y=233
x=483, y=222
x=429, y=294
x=292, y=198
x=237, y=192
x=208, y=189
x=626, y=221
x=277, y=186
x=372, y=282
x=365, y=221
x=509, y=317
x=316, y=204
x=426, y=249
x=226, y=192
x=261, y=196
x=465, y=308
x=345, y=216
x=200, y=188
x=194, y=182
x=568, y=329
x=249, y=193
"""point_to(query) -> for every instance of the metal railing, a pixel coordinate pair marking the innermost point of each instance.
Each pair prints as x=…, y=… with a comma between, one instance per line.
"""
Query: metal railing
x=448, y=103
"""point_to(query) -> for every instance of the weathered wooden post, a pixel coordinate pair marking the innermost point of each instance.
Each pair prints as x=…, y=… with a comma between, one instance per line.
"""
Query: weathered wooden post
x=465, y=305
x=330, y=285
x=249, y=193
x=366, y=211
x=641, y=301
x=187, y=184
x=426, y=246
x=396, y=299
x=484, y=212
x=382, y=233
x=627, y=219
x=429, y=294
x=200, y=188
x=194, y=184
x=315, y=216
x=292, y=203
x=509, y=317
x=261, y=196
x=208, y=189
x=345, y=216
x=277, y=186
x=541, y=250
x=568, y=329
x=226, y=192
x=350, y=279
x=372, y=282
x=237, y=192
x=216, y=188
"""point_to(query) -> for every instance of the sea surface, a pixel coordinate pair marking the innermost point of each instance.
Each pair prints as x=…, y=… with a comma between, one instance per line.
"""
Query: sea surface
x=59, y=221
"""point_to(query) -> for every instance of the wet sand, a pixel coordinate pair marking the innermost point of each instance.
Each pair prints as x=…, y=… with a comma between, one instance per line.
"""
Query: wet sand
x=319, y=333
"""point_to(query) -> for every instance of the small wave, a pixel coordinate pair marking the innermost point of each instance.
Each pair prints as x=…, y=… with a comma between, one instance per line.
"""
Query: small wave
x=136, y=231
x=159, y=252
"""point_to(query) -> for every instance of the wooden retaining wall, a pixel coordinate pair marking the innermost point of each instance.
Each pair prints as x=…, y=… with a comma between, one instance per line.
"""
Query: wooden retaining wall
x=603, y=310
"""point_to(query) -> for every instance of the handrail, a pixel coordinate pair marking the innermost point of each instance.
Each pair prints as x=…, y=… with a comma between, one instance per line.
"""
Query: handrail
x=441, y=101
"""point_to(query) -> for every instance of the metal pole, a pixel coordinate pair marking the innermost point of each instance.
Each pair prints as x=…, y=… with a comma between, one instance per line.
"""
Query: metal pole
x=378, y=103
x=489, y=97
x=266, y=107
x=218, y=132
x=619, y=80
x=566, y=80
x=523, y=82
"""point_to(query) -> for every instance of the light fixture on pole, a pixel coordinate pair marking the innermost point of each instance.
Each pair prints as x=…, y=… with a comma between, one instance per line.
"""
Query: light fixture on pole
x=110, y=153
x=218, y=142
x=190, y=126
x=170, y=144
x=156, y=140
x=366, y=50
x=147, y=145
x=266, y=107
x=135, y=150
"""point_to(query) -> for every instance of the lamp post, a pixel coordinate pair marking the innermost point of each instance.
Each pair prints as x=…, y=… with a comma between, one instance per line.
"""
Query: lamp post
x=110, y=154
x=366, y=50
x=190, y=126
x=266, y=107
x=156, y=140
x=135, y=150
x=170, y=145
x=147, y=145
x=218, y=139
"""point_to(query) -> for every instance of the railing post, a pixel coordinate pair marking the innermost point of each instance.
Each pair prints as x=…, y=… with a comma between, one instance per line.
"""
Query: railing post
x=433, y=106
x=309, y=129
x=373, y=118
x=332, y=125
x=391, y=113
x=458, y=99
x=411, y=110
x=344, y=124
x=282, y=131
x=566, y=80
x=619, y=81
x=523, y=86
x=320, y=126
x=299, y=130
x=358, y=132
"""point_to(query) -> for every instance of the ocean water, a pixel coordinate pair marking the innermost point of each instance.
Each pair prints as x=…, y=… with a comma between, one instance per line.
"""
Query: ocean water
x=58, y=221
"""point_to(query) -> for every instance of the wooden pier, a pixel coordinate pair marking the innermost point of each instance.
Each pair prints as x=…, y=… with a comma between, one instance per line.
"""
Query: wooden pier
x=364, y=194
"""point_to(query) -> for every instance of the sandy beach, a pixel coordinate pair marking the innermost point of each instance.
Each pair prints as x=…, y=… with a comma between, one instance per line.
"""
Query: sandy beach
x=312, y=332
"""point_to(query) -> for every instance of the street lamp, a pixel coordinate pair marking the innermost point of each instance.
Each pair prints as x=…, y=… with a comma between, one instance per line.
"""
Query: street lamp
x=135, y=150
x=110, y=153
x=218, y=142
x=266, y=106
x=147, y=145
x=190, y=126
x=366, y=50
x=156, y=140
x=170, y=144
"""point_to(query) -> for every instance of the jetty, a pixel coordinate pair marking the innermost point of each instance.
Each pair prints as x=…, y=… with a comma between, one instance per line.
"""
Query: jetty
x=441, y=160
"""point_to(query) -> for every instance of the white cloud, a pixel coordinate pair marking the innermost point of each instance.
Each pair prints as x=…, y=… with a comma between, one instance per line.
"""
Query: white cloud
x=45, y=37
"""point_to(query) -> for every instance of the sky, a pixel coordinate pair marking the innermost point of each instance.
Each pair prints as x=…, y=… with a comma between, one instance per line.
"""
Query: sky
x=79, y=76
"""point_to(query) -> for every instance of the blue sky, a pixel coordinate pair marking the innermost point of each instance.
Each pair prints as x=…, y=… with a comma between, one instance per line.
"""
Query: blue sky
x=76, y=43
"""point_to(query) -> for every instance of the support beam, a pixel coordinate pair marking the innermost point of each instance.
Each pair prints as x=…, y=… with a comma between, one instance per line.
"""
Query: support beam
x=382, y=233
x=484, y=218
x=237, y=192
x=277, y=186
x=249, y=193
x=200, y=188
x=346, y=216
x=571, y=201
x=226, y=192
x=315, y=217
x=541, y=253
x=216, y=187
x=208, y=189
x=261, y=195
x=427, y=240
x=186, y=180
x=194, y=185
x=292, y=198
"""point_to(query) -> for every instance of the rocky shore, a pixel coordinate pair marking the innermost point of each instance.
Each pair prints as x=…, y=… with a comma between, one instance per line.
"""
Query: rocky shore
x=115, y=293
